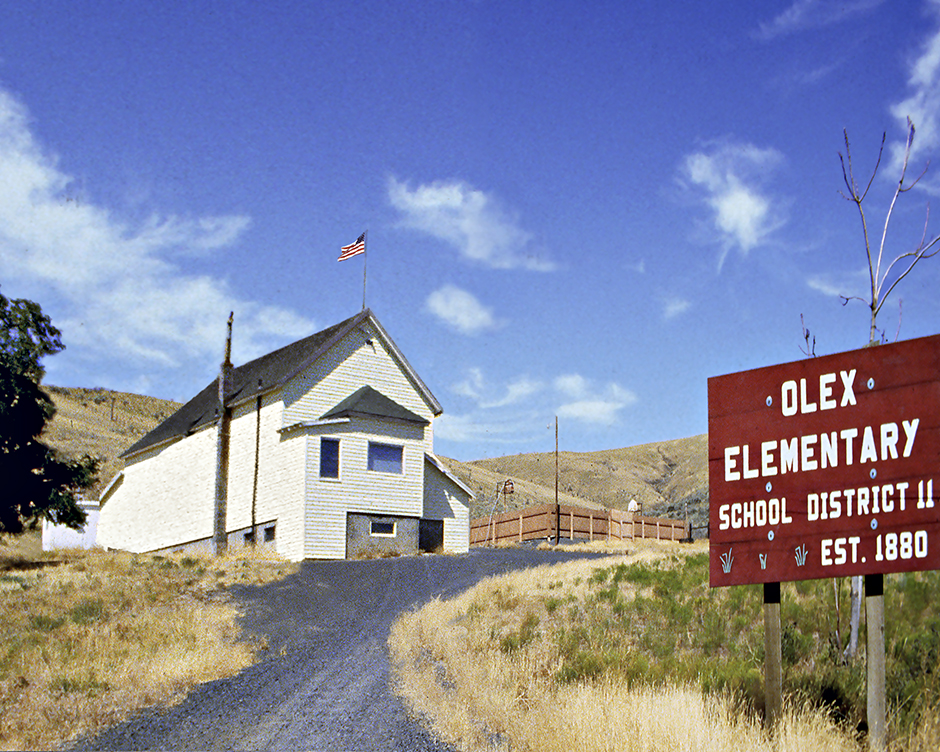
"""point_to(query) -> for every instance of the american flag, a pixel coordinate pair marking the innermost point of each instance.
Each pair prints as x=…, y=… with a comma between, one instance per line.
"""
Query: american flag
x=353, y=249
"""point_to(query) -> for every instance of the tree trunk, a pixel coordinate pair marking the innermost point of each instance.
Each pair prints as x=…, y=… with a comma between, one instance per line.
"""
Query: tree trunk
x=852, y=648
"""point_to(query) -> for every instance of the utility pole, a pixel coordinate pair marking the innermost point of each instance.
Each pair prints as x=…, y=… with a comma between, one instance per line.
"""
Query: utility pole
x=219, y=532
x=557, y=506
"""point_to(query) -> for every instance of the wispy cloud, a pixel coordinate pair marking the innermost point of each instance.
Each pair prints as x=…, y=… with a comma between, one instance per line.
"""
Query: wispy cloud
x=730, y=180
x=844, y=285
x=674, y=306
x=589, y=403
x=922, y=105
x=470, y=220
x=803, y=15
x=515, y=412
x=118, y=289
x=461, y=311
x=486, y=396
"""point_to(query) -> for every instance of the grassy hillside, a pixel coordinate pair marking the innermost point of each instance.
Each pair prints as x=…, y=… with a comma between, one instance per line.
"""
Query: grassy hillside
x=663, y=477
x=102, y=423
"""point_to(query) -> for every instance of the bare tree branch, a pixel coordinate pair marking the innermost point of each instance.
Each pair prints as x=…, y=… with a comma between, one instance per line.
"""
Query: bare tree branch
x=925, y=249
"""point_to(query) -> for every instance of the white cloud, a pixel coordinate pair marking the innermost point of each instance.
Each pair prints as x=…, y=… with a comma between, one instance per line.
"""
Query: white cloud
x=846, y=285
x=461, y=311
x=730, y=177
x=516, y=391
x=572, y=385
x=922, y=106
x=517, y=411
x=589, y=405
x=494, y=428
x=812, y=14
x=471, y=221
x=476, y=388
x=674, y=306
x=123, y=302
x=472, y=386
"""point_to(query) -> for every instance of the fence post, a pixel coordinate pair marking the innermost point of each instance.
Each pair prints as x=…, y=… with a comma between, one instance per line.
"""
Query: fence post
x=591, y=528
x=520, y=527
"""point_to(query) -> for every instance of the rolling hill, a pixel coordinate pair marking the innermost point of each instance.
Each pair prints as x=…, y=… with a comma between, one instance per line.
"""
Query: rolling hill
x=103, y=424
x=664, y=477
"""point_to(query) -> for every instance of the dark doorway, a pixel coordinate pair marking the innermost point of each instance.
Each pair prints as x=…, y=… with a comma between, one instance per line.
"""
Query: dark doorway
x=431, y=535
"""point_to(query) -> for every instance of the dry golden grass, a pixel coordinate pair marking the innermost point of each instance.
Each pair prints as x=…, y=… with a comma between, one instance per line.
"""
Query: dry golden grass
x=103, y=424
x=90, y=637
x=482, y=672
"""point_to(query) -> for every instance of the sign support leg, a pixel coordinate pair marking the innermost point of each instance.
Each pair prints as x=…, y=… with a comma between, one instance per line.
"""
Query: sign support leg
x=773, y=660
x=875, y=660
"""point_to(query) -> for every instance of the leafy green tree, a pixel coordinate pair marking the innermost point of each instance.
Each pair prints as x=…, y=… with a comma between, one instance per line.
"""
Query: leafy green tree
x=35, y=481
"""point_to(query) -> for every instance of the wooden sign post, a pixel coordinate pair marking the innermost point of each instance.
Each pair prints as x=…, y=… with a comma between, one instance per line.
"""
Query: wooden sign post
x=826, y=467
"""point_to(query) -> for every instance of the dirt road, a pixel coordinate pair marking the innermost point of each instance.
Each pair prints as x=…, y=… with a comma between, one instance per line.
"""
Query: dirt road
x=323, y=682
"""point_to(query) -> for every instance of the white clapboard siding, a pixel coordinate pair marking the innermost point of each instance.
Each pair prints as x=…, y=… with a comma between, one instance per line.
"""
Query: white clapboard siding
x=362, y=357
x=165, y=497
x=280, y=475
x=444, y=499
x=359, y=489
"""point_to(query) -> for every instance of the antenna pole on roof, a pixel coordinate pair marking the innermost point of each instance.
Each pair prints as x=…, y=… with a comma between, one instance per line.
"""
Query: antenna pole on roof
x=228, y=341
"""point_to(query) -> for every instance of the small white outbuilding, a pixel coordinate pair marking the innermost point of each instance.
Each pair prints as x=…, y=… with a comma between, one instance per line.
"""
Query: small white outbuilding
x=331, y=455
x=59, y=536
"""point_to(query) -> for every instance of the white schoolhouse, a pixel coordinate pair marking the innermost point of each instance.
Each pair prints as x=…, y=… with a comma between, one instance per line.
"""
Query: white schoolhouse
x=330, y=455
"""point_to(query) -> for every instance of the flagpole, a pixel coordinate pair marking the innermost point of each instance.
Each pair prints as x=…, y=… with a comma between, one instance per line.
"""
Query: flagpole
x=365, y=263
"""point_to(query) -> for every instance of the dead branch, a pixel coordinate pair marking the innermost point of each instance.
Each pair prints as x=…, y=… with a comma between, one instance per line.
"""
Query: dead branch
x=925, y=248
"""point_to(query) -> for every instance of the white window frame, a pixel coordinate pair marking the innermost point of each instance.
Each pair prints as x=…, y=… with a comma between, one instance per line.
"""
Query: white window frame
x=399, y=447
x=373, y=523
x=339, y=468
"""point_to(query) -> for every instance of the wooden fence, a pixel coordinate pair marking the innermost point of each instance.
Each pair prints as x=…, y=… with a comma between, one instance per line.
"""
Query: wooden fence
x=539, y=522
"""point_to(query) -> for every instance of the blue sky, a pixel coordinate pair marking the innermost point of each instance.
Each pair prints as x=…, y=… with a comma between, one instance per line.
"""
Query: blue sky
x=581, y=210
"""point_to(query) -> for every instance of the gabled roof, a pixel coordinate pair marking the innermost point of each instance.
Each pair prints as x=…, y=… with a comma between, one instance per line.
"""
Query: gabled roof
x=266, y=374
x=442, y=469
x=370, y=403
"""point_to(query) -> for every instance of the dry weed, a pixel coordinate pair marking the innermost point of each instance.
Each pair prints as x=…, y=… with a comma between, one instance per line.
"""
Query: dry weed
x=91, y=637
x=481, y=672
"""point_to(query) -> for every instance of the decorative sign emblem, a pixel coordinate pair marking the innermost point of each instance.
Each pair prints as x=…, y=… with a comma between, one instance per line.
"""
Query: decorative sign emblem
x=726, y=561
x=829, y=462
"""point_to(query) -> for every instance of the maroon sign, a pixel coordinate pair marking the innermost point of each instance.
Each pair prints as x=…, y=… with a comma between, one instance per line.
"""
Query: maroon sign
x=826, y=467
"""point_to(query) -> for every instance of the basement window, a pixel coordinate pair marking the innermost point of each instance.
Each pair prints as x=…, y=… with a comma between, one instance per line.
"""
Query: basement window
x=382, y=529
x=269, y=534
x=385, y=458
x=329, y=458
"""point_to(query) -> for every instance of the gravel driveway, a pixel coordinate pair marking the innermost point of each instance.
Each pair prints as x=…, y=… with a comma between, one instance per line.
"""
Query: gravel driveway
x=323, y=682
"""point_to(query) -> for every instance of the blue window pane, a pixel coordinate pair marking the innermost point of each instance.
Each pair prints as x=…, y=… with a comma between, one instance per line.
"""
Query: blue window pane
x=329, y=458
x=385, y=458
